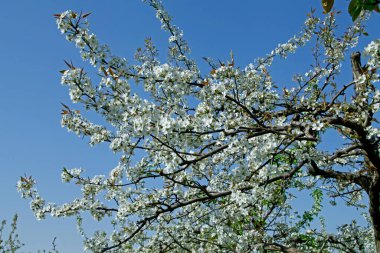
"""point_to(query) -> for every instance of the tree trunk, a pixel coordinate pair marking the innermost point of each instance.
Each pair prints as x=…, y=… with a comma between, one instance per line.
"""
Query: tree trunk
x=374, y=209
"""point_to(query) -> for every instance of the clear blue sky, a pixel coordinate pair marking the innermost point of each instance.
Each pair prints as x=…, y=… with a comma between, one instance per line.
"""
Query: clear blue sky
x=32, y=51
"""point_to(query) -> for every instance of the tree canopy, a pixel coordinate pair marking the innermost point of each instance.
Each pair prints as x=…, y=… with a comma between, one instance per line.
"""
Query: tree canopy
x=210, y=161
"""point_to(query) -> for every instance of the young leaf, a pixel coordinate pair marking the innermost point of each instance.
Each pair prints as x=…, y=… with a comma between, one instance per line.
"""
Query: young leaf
x=377, y=8
x=354, y=9
x=86, y=15
x=327, y=5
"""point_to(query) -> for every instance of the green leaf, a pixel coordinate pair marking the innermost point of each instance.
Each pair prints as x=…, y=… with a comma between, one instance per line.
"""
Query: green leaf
x=354, y=9
x=327, y=5
x=368, y=7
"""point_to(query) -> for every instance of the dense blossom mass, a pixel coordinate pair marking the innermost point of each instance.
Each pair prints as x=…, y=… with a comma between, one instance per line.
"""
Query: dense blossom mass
x=211, y=161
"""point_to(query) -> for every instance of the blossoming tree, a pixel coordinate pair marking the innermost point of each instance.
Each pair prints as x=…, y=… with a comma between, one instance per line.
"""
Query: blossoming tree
x=211, y=161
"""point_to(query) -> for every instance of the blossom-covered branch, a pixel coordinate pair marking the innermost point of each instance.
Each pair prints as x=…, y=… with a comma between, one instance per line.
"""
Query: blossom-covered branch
x=210, y=161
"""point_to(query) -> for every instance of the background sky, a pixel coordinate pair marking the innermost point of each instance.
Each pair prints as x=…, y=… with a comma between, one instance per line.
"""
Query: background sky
x=32, y=51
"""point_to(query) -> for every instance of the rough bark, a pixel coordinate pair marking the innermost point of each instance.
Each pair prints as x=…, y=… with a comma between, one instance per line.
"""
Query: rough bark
x=374, y=208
